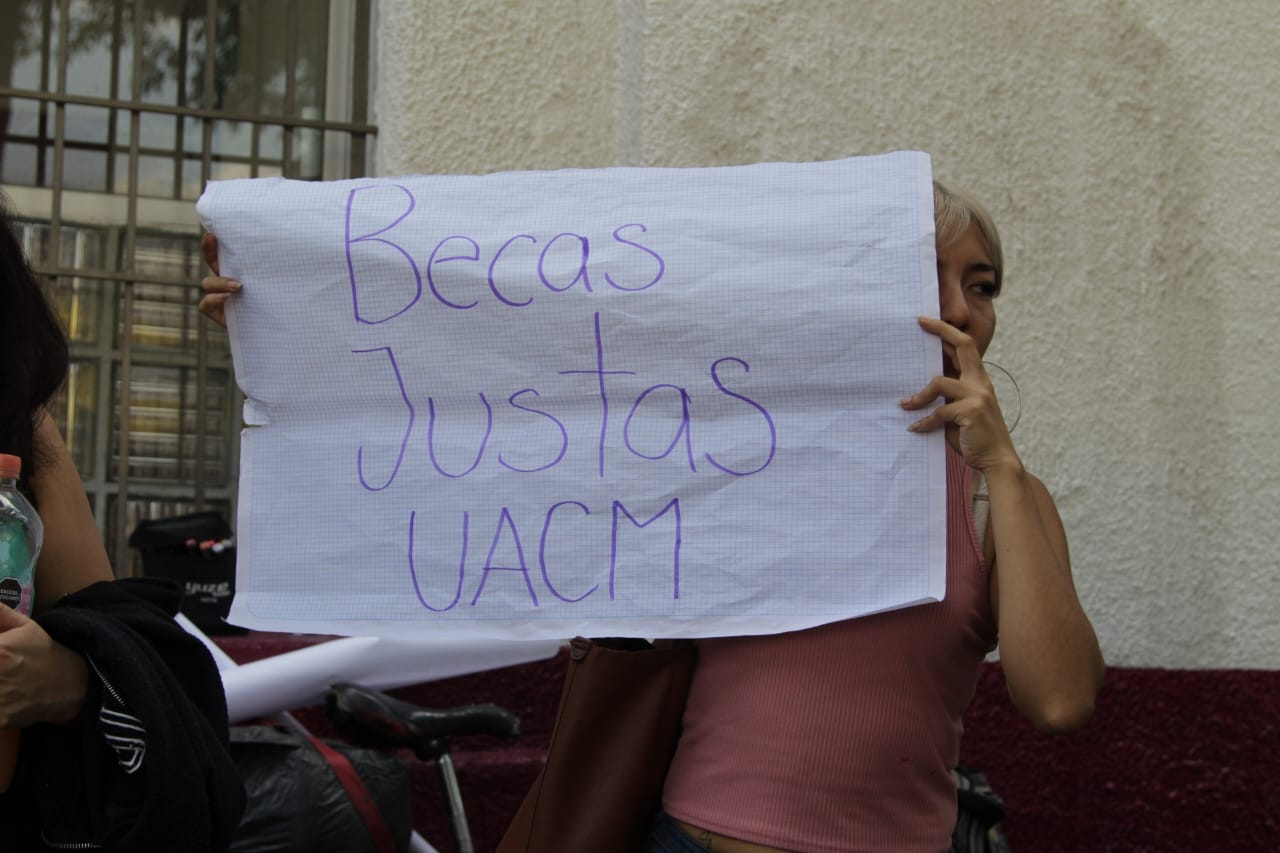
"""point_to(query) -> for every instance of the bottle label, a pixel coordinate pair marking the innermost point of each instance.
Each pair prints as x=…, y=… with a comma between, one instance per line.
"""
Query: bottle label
x=15, y=565
x=11, y=593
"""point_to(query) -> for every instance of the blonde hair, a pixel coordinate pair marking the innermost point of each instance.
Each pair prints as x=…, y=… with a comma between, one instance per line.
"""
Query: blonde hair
x=954, y=212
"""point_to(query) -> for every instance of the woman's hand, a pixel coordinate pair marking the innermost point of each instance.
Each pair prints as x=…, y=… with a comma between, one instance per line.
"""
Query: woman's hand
x=40, y=680
x=971, y=413
x=216, y=288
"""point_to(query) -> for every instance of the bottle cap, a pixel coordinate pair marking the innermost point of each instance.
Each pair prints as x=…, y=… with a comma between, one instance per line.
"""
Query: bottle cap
x=10, y=465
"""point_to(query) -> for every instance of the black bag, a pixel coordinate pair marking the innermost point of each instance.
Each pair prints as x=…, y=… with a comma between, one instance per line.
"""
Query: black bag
x=171, y=548
x=295, y=803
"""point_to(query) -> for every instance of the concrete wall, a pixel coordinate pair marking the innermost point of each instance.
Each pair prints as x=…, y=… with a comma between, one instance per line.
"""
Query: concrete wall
x=1126, y=148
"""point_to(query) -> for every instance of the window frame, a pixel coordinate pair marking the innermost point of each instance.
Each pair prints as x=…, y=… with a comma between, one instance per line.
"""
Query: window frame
x=346, y=151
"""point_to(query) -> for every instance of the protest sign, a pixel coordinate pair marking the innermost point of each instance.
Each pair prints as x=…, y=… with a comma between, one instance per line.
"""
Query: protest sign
x=627, y=401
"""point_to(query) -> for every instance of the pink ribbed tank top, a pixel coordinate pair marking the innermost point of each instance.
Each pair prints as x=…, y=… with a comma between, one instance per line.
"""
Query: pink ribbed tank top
x=842, y=737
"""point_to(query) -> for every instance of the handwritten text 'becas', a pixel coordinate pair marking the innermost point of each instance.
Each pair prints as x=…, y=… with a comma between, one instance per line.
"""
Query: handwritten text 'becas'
x=554, y=265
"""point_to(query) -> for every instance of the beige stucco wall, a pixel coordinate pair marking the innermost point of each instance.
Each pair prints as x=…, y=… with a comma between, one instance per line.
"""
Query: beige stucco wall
x=1126, y=147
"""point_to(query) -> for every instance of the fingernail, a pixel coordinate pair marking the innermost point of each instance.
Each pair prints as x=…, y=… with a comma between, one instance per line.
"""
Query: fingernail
x=234, y=285
x=904, y=402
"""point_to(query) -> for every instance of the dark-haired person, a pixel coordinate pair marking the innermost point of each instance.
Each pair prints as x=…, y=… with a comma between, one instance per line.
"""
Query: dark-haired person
x=40, y=681
x=121, y=719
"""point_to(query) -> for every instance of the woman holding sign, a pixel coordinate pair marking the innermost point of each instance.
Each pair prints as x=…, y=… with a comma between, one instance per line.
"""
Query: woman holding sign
x=843, y=737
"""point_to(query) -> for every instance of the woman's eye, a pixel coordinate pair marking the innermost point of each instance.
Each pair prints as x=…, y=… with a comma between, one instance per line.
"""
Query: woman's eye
x=988, y=289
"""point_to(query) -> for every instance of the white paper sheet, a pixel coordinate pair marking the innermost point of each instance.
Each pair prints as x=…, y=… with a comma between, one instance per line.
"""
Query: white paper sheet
x=646, y=402
x=300, y=678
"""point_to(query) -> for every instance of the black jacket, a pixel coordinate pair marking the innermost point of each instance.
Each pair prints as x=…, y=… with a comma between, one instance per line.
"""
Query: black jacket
x=146, y=766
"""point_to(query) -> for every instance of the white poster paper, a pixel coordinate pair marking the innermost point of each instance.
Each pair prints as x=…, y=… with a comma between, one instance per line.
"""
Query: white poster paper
x=627, y=401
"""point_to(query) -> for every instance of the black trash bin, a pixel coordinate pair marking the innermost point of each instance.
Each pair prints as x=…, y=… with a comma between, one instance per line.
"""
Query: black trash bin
x=197, y=551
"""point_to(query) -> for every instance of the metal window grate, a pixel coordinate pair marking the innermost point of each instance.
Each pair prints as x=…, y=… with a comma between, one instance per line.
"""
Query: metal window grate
x=113, y=116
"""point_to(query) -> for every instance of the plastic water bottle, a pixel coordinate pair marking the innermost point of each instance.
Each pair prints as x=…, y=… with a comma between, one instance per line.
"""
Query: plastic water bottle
x=21, y=535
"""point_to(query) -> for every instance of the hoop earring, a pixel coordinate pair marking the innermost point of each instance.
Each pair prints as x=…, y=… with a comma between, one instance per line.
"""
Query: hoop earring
x=1017, y=392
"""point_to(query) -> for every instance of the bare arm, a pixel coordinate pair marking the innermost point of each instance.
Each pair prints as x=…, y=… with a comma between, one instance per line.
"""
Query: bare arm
x=1048, y=648
x=73, y=555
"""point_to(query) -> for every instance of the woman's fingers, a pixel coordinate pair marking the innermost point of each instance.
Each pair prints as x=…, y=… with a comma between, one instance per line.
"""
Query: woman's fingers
x=965, y=399
x=939, y=386
x=966, y=352
x=968, y=413
x=216, y=288
x=939, y=417
x=209, y=248
x=216, y=292
x=214, y=284
x=961, y=398
x=213, y=306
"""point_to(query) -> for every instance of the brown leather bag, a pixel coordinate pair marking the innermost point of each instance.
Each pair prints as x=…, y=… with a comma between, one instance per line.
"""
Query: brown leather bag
x=615, y=733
